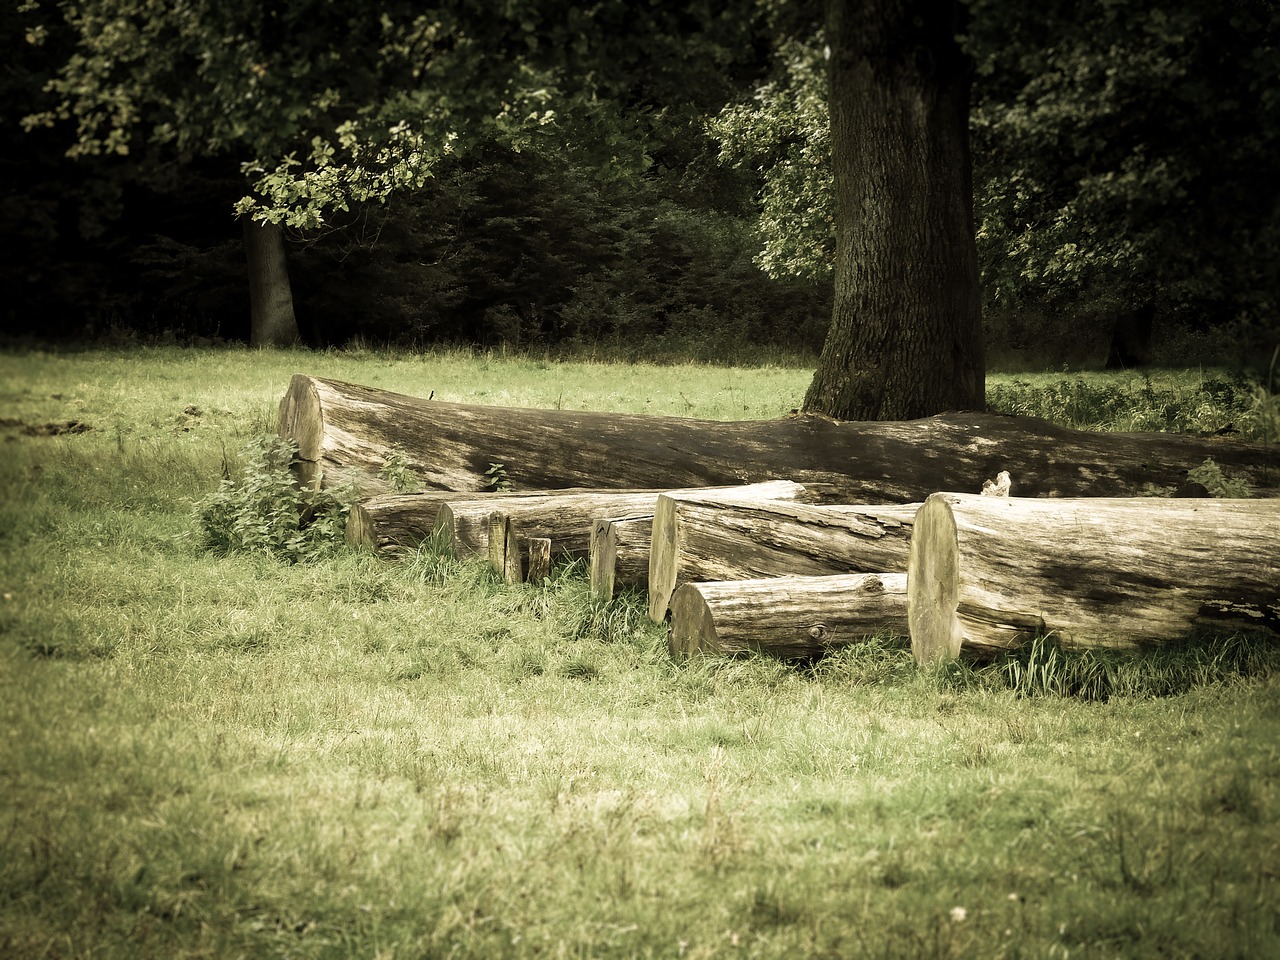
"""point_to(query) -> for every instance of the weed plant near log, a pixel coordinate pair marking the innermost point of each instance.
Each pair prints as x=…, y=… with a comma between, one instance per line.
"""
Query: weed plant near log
x=223, y=756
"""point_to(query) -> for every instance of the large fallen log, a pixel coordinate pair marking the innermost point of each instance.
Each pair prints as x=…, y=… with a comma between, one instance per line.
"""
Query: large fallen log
x=789, y=617
x=565, y=516
x=346, y=432
x=987, y=573
x=697, y=538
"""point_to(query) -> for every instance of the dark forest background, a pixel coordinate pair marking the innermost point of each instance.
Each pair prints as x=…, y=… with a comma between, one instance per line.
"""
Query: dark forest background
x=1126, y=191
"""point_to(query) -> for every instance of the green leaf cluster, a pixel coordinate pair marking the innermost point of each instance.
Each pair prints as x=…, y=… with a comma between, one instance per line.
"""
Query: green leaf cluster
x=265, y=510
x=398, y=472
x=783, y=134
x=1119, y=156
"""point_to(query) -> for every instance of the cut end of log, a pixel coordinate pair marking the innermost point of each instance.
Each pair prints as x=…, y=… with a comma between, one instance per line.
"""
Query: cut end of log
x=360, y=528
x=787, y=617
x=933, y=583
x=302, y=421
x=693, y=626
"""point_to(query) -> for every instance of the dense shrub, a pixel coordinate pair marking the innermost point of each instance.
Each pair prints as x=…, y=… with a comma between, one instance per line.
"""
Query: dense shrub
x=264, y=509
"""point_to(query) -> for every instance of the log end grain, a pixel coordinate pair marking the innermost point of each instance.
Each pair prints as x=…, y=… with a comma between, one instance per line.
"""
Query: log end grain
x=933, y=583
x=693, y=627
x=360, y=528
x=301, y=420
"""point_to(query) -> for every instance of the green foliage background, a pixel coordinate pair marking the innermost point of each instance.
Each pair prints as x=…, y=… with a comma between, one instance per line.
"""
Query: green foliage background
x=549, y=174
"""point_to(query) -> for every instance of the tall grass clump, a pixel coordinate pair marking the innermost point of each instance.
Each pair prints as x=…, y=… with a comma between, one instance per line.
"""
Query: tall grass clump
x=263, y=508
x=1044, y=667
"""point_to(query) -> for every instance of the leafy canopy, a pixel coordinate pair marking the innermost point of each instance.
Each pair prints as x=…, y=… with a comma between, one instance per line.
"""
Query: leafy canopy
x=1121, y=155
x=327, y=104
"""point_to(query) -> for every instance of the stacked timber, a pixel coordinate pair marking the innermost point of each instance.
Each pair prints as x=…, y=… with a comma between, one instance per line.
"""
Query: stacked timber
x=698, y=538
x=396, y=523
x=566, y=515
x=461, y=522
x=1077, y=554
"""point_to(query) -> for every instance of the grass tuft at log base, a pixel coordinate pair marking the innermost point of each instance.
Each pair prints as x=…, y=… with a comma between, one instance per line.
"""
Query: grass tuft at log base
x=228, y=755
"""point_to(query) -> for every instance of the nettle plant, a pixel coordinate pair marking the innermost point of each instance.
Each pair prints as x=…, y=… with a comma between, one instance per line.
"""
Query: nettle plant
x=264, y=509
x=398, y=473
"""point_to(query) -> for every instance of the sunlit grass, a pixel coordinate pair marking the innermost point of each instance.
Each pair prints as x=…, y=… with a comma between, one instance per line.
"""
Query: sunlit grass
x=210, y=756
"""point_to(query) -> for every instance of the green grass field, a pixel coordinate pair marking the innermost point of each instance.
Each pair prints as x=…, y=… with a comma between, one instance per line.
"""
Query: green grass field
x=206, y=756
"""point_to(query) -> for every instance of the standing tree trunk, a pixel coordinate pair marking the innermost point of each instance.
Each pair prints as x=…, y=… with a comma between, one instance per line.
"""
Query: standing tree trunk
x=271, y=319
x=906, y=336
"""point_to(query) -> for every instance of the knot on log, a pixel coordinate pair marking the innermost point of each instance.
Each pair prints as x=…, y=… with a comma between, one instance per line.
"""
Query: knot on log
x=818, y=631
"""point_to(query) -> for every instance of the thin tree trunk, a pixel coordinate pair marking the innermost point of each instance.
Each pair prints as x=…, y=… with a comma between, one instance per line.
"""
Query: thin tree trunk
x=906, y=336
x=271, y=319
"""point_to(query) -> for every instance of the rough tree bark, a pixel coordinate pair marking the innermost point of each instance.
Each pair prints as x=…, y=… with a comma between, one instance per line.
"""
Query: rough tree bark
x=906, y=336
x=396, y=523
x=562, y=515
x=987, y=573
x=504, y=549
x=790, y=617
x=696, y=538
x=272, y=322
x=345, y=433
x=565, y=516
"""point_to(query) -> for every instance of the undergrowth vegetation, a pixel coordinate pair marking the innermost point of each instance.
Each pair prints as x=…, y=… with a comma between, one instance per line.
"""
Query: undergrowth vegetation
x=227, y=734
x=1231, y=405
x=262, y=507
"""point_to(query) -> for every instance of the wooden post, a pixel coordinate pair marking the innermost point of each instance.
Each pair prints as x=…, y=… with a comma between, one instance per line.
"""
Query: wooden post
x=619, y=553
x=504, y=548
